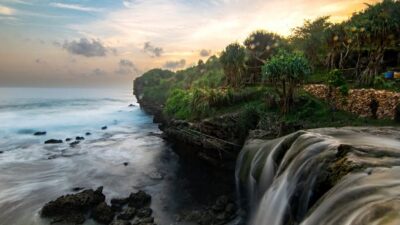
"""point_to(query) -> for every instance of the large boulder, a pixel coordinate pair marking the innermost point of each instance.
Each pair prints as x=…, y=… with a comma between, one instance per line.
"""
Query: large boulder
x=73, y=207
x=139, y=199
x=103, y=213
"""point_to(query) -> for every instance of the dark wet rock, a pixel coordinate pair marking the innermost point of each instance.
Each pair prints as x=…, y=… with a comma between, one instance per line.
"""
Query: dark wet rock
x=131, y=105
x=75, y=218
x=76, y=189
x=139, y=199
x=126, y=163
x=103, y=213
x=53, y=141
x=127, y=214
x=40, y=133
x=206, y=218
x=220, y=204
x=143, y=221
x=104, y=128
x=230, y=208
x=78, y=138
x=72, y=208
x=144, y=212
x=88, y=134
x=68, y=139
x=1, y=152
x=118, y=203
x=120, y=222
x=75, y=143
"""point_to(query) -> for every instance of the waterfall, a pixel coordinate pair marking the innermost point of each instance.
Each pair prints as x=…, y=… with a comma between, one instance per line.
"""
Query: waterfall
x=322, y=176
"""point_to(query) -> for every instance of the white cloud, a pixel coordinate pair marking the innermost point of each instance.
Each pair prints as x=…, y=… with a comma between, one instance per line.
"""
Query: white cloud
x=75, y=7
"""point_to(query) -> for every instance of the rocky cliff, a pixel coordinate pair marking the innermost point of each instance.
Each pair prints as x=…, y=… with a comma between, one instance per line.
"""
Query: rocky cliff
x=217, y=140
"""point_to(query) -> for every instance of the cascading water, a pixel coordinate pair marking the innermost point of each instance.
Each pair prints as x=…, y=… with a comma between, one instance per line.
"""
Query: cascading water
x=323, y=176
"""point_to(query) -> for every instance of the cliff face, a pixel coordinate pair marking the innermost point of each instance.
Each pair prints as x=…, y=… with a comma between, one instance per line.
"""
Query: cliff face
x=217, y=140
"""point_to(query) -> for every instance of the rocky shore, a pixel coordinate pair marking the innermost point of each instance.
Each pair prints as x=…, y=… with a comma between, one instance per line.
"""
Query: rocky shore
x=76, y=208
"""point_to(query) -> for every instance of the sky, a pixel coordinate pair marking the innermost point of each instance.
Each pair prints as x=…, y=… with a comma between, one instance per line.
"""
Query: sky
x=104, y=42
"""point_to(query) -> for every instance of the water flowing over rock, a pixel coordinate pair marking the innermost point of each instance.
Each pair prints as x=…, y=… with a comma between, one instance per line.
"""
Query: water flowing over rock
x=323, y=176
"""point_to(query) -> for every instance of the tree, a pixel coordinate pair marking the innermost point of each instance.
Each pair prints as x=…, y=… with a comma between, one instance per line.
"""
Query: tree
x=232, y=60
x=286, y=71
x=378, y=29
x=260, y=46
x=311, y=39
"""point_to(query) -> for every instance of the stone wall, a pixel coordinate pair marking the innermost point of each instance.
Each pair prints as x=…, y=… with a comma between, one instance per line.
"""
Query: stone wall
x=358, y=100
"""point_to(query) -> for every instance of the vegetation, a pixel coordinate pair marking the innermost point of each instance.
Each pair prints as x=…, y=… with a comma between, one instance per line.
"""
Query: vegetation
x=286, y=71
x=232, y=60
x=263, y=77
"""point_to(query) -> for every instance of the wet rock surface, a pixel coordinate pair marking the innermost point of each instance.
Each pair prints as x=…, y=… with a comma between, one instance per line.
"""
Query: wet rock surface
x=72, y=208
x=76, y=208
x=221, y=212
x=78, y=138
x=53, y=141
x=40, y=133
x=103, y=213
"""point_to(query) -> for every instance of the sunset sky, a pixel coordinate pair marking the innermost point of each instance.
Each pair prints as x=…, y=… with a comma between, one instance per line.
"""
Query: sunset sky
x=71, y=42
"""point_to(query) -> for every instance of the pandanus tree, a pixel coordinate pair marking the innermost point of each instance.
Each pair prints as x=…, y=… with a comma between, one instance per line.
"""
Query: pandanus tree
x=260, y=46
x=232, y=60
x=377, y=29
x=286, y=71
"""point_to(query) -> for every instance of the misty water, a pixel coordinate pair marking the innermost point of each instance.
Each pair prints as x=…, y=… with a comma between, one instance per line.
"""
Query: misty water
x=33, y=173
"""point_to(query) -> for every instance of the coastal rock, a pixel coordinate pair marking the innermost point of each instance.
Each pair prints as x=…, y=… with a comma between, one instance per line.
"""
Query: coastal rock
x=118, y=203
x=88, y=134
x=75, y=143
x=104, y=128
x=68, y=139
x=131, y=105
x=76, y=189
x=120, y=222
x=53, y=141
x=1, y=152
x=78, y=138
x=143, y=221
x=103, y=213
x=126, y=163
x=40, y=133
x=144, y=212
x=139, y=199
x=72, y=208
x=127, y=214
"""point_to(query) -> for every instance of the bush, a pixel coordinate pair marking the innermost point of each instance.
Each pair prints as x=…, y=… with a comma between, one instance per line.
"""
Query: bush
x=178, y=104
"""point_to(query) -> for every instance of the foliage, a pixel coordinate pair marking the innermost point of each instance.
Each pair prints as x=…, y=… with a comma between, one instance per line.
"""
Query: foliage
x=178, y=104
x=377, y=29
x=311, y=39
x=232, y=60
x=286, y=70
x=260, y=46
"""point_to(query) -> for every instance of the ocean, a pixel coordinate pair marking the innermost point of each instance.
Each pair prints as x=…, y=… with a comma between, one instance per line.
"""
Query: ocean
x=33, y=173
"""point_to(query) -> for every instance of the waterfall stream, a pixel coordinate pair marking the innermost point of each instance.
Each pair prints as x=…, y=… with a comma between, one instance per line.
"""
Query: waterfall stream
x=323, y=176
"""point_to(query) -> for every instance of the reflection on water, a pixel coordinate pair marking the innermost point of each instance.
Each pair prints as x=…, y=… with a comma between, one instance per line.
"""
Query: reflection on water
x=33, y=173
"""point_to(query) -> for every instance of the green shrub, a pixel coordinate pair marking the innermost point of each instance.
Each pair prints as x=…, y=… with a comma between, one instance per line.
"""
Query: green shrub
x=178, y=104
